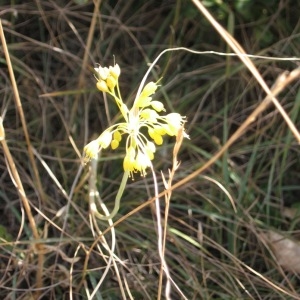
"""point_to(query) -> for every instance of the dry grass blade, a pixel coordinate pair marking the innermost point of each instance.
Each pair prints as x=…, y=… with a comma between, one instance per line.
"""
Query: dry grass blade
x=25, y=201
x=22, y=116
x=84, y=66
x=236, y=47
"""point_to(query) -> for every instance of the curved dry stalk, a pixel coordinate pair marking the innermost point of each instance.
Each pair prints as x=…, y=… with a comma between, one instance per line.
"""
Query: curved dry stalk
x=22, y=116
x=97, y=233
x=94, y=215
x=168, y=185
x=14, y=172
x=81, y=79
x=18, y=184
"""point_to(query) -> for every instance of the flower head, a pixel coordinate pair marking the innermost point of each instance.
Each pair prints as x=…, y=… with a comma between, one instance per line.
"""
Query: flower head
x=107, y=78
x=144, y=113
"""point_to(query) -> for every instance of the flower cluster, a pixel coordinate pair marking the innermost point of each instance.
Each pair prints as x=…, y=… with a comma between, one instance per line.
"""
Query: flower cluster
x=144, y=114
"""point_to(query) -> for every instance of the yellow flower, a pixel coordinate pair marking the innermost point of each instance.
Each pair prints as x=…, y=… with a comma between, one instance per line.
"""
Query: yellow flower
x=144, y=113
x=105, y=139
x=142, y=162
x=149, y=89
x=102, y=72
x=107, y=77
x=111, y=82
x=102, y=86
x=91, y=150
x=129, y=160
x=115, y=71
x=157, y=105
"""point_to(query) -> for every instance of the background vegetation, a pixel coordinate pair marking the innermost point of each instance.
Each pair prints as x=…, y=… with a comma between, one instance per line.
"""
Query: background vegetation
x=212, y=251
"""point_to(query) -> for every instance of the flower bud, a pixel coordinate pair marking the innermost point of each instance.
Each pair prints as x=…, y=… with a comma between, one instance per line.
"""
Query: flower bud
x=115, y=71
x=102, y=86
x=157, y=105
x=149, y=89
x=105, y=139
x=111, y=82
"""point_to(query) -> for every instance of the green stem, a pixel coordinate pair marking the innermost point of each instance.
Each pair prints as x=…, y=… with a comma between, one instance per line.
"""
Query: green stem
x=117, y=200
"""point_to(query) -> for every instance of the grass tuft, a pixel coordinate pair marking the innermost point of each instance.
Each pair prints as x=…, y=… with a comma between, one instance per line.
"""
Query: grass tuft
x=227, y=198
